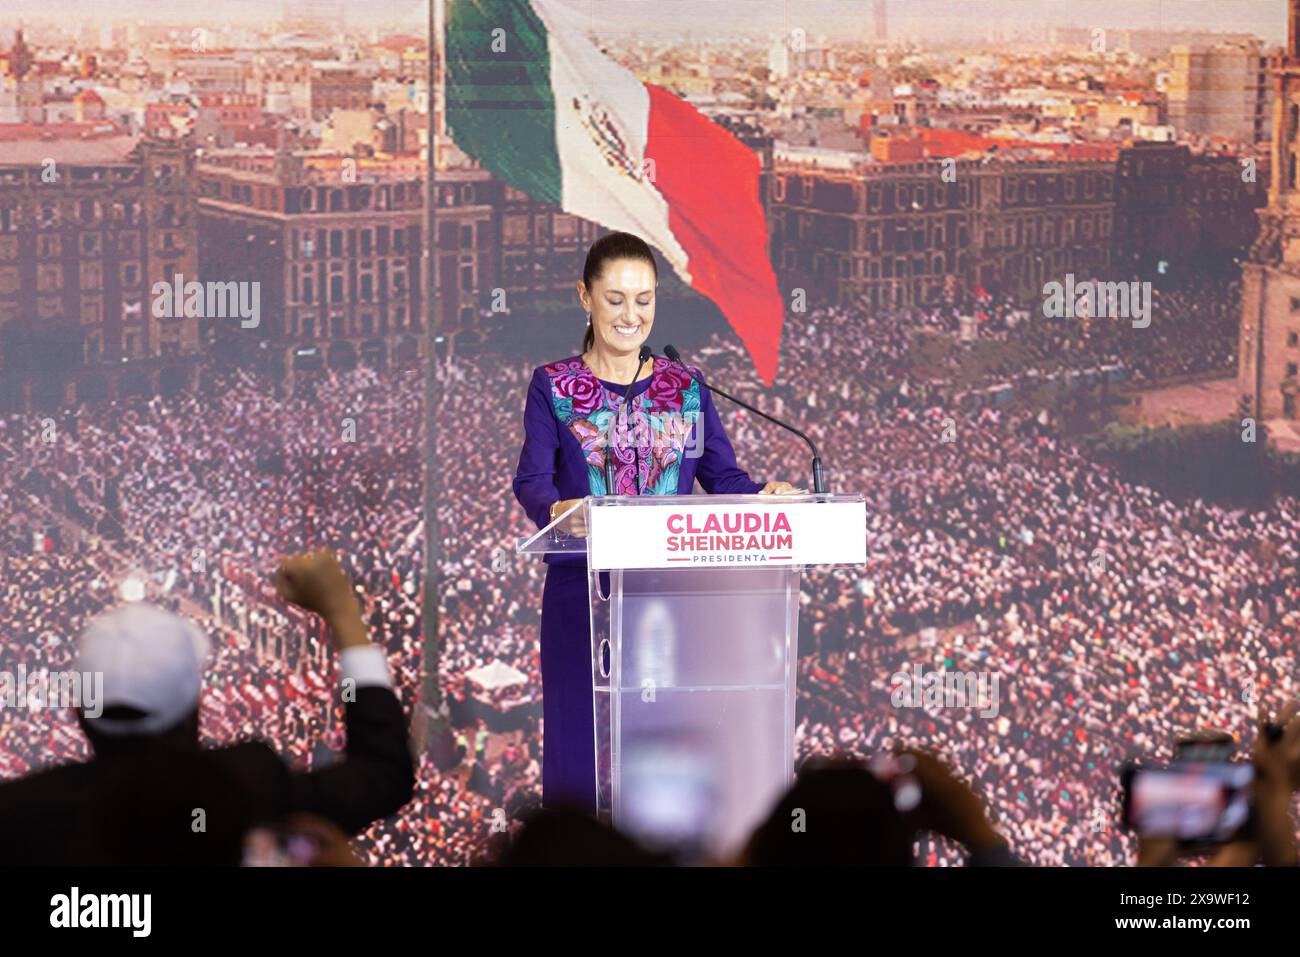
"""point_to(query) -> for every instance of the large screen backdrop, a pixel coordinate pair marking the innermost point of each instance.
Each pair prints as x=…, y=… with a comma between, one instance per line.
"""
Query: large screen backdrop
x=998, y=279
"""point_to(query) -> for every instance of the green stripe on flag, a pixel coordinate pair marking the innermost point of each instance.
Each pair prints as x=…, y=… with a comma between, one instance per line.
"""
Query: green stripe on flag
x=500, y=105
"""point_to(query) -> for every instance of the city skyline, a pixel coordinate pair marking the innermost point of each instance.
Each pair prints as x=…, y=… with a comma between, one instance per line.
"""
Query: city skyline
x=842, y=19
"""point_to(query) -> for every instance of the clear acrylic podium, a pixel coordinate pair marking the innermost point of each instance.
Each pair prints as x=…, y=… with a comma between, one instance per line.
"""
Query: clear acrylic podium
x=694, y=650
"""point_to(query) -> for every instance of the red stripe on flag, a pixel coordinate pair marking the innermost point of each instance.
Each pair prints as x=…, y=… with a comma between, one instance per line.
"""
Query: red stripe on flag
x=710, y=180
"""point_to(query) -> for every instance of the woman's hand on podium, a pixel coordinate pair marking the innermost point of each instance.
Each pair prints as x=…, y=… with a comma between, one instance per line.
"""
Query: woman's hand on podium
x=577, y=522
x=777, y=488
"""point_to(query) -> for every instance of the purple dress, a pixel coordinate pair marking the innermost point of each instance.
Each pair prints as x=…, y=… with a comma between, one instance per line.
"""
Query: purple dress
x=572, y=420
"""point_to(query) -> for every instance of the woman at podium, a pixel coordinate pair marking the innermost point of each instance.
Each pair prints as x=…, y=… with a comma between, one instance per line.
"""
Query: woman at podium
x=574, y=420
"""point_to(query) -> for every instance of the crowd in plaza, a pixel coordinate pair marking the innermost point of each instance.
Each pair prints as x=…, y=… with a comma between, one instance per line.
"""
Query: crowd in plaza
x=1196, y=334
x=1115, y=616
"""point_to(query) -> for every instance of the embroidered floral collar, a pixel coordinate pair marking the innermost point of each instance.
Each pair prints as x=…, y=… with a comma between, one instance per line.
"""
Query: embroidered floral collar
x=663, y=416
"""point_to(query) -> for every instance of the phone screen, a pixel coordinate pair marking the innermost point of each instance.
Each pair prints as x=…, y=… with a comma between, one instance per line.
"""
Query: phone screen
x=1193, y=802
x=277, y=847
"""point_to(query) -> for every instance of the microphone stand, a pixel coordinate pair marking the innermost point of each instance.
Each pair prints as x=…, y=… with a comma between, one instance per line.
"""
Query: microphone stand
x=818, y=471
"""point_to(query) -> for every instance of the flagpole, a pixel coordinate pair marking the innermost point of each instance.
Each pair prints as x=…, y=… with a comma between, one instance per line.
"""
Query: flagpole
x=433, y=711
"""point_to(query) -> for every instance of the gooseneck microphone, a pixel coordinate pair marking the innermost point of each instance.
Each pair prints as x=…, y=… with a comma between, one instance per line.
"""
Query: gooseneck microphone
x=645, y=354
x=818, y=473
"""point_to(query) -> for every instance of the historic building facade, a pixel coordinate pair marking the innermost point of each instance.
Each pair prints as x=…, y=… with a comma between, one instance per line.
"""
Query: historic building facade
x=1268, y=359
x=889, y=234
x=903, y=234
x=88, y=225
x=336, y=246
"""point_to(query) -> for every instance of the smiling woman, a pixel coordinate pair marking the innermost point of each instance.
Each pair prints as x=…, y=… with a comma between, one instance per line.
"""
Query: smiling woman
x=654, y=423
x=617, y=291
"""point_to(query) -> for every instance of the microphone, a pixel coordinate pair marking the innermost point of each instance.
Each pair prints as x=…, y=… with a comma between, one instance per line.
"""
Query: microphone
x=818, y=473
x=645, y=354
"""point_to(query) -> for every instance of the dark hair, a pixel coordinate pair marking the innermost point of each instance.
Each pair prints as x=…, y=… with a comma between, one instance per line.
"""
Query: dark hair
x=850, y=820
x=184, y=734
x=605, y=249
x=568, y=836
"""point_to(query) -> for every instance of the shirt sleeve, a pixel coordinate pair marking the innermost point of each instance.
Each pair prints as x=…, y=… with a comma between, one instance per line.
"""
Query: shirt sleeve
x=718, y=473
x=366, y=665
x=534, y=483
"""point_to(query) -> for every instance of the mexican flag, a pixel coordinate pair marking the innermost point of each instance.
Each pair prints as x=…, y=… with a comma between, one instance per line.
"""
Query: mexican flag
x=541, y=108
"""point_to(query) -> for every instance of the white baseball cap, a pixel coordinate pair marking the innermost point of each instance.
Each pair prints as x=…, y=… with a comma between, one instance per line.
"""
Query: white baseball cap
x=151, y=660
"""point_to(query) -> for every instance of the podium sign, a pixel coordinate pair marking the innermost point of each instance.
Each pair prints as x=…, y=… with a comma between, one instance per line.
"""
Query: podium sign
x=694, y=653
x=764, y=533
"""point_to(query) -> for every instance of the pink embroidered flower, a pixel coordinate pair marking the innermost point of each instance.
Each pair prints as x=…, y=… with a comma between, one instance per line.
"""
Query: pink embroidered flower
x=667, y=387
x=584, y=390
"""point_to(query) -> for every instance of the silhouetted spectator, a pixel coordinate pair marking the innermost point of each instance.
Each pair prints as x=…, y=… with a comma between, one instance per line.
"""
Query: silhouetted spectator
x=571, y=837
x=151, y=662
